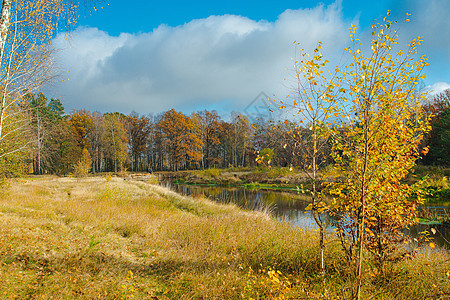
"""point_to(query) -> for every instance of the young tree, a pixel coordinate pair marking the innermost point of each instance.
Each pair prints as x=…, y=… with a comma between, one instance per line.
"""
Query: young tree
x=84, y=165
x=377, y=145
x=312, y=102
x=41, y=120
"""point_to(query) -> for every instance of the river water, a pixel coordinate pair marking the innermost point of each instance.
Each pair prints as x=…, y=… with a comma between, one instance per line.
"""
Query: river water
x=285, y=206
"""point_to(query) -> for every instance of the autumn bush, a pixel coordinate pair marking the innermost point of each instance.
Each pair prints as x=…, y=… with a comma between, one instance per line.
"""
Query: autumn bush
x=83, y=166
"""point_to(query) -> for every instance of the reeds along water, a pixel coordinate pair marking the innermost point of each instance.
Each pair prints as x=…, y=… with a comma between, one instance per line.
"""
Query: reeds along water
x=290, y=207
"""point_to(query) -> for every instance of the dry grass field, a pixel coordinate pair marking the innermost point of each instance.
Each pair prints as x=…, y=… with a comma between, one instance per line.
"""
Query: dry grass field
x=110, y=238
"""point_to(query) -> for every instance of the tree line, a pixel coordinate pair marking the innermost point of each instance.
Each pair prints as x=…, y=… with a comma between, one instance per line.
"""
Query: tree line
x=49, y=141
x=53, y=141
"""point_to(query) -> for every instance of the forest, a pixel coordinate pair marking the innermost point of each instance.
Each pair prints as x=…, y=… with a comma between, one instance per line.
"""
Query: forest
x=53, y=141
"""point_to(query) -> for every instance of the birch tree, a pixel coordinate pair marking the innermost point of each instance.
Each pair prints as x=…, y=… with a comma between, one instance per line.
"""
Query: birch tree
x=311, y=100
x=115, y=140
x=376, y=146
x=27, y=28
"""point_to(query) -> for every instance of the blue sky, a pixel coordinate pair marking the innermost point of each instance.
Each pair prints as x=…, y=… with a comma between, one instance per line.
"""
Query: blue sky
x=151, y=56
x=144, y=15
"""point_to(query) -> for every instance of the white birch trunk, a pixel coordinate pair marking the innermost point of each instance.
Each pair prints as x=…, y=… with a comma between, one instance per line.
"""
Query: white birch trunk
x=4, y=25
x=4, y=28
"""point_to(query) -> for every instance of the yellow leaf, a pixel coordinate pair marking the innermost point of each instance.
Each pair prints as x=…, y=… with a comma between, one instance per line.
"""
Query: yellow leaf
x=432, y=245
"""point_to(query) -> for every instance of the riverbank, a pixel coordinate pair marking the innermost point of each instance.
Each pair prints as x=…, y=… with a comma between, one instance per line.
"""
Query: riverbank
x=263, y=178
x=435, y=179
x=110, y=238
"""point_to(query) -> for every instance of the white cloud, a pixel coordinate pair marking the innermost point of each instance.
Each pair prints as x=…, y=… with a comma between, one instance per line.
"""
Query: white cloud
x=437, y=88
x=220, y=61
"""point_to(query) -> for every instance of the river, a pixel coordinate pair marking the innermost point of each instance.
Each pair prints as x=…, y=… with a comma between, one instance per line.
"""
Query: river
x=285, y=206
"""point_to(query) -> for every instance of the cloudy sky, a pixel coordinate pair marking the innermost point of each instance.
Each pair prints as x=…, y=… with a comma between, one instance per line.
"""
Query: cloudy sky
x=151, y=56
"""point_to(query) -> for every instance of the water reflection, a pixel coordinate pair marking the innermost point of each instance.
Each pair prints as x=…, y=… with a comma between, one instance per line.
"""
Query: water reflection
x=286, y=206
x=289, y=207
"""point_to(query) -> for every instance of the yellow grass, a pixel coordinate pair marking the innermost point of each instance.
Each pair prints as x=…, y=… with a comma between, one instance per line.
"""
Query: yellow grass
x=97, y=238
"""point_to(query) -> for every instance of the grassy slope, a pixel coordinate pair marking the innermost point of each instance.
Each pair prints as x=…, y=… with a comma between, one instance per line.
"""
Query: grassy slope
x=92, y=238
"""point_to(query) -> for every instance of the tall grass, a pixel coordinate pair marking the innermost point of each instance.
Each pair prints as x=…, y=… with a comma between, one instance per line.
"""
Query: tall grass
x=93, y=238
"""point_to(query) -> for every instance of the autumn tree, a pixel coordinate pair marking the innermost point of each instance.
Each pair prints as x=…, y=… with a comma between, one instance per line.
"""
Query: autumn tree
x=311, y=102
x=115, y=140
x=139, y=130
x=157, y=146
x=376, y=145
x=241, y=134
x=15, y=143
x=62, y=149
x=208, y=124
x=84, y=164
x=225, y=148
x=53, y=143
x=179, y=136
x=81, y=123
x=265, y=157
x=95, y=138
